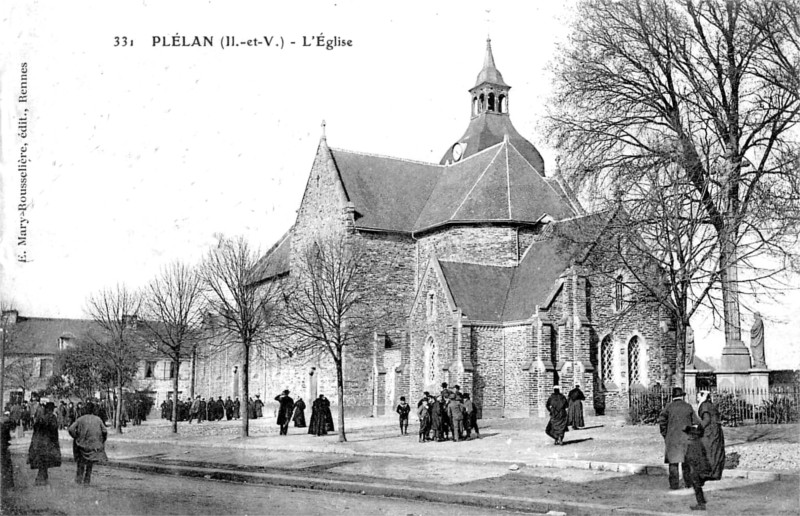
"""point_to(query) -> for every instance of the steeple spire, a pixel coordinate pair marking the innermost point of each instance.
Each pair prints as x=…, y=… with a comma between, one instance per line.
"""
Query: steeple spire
x=489, y=73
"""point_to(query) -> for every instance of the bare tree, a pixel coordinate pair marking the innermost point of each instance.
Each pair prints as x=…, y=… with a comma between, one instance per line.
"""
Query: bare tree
x=246, y=315
x=324, y=307
x=173, y=317
x=22, y=373
x=709, y=87
x=656, y=248
x=115, y=312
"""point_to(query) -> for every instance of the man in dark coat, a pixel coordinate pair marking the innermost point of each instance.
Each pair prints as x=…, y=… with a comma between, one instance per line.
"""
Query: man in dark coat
x=575, y=409
x=228, y=409
x=557, y=407
x=470, y=417
x=424, y=420
x=299, y=416
x=455, y=413
x=7, y=425
x=89, y=445
x=436, y=419
x=673, y=419
x=285, y=407
x=44, y=451
x=194, y=412
x=713, y=438
x=237, y=405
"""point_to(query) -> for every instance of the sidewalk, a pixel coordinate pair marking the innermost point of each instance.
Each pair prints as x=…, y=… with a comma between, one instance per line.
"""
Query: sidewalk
x=603, y=469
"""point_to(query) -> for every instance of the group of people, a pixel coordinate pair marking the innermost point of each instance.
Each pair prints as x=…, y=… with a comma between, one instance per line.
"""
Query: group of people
x=23, y=414
x=565, y=411
x=451, y=415
x=212, y=410
x=694, y=441
x=290, y=410
x=89, y=435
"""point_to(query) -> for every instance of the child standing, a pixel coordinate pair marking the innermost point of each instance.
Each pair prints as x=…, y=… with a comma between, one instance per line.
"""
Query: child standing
x=403, y=409
x=424, y=420
x=699, y=467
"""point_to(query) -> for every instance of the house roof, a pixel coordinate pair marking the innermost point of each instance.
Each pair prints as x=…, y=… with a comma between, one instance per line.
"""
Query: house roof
x=40, y=336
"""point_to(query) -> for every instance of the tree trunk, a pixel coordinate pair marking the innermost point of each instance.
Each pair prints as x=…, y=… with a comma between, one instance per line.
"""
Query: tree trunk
x=3, y=366
x=175, y=395
x=246, y=392
x=118, y=417
x=194, y=373
x=340, y=389
x=680, y=356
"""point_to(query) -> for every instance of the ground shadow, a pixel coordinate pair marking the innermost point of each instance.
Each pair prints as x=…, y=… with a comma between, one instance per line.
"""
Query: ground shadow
x=576, y=441
x=588, y=428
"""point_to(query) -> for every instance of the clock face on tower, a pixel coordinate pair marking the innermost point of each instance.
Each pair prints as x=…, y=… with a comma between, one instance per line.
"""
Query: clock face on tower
x=458, y=151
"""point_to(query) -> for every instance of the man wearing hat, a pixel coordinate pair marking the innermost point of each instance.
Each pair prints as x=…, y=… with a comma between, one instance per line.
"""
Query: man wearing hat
x=285, y=408
x=557, y=407
x=673, y=419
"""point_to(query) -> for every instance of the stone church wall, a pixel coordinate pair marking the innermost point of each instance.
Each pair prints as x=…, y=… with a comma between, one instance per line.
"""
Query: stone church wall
x=437, y=326
x=486, y=245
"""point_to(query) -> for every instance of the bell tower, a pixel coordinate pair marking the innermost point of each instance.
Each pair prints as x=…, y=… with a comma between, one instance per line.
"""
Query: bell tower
x=490, y=93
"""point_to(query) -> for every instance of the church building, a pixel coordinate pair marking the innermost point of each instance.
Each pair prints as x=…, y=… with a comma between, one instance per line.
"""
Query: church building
x=480, y=283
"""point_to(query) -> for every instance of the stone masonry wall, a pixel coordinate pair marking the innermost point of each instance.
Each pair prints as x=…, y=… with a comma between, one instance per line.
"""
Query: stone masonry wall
x=487, y=245
x=422, y=327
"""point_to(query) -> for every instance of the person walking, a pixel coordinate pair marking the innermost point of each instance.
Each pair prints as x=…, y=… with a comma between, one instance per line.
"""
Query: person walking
x=403, y=409
x=676, y=416
x=713, y=438
x=44, y=451
x=285, y=407
x=575, y=409
x=299, y=416
x=557, y=407
x=697, y=461
x=89, y=444
x=228, y=408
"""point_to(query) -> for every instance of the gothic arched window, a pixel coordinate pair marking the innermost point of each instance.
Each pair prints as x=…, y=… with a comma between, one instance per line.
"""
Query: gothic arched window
x=607, y=359
x=502, y=100
x=619, y=293
x=491, y=102
x=634, y=375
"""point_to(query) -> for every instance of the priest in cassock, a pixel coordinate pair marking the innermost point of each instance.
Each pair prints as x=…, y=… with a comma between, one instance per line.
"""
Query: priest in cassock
x=557, y=407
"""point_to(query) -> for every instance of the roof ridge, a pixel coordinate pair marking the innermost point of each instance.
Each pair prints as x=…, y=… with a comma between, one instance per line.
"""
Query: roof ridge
x=475, y=263
x=27, y=318
x=453, y=216
x=385, y=156
x=455, y=163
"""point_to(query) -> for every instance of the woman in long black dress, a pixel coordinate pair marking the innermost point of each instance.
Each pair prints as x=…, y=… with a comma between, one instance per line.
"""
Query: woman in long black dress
x=713, y=439
x=299, y=416
x=44, y=451
x=317, y=426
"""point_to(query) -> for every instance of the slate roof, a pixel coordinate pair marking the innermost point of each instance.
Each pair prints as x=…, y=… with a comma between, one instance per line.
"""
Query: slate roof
x=39, y=336
x=388, y=193
x=479, y=290
x=496, y=294
x=275, y=261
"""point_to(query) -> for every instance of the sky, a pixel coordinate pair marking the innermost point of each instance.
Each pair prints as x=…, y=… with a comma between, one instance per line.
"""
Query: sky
x=139, y=154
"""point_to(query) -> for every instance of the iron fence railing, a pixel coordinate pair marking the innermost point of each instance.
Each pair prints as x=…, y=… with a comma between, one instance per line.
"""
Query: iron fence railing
x=773, y=405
